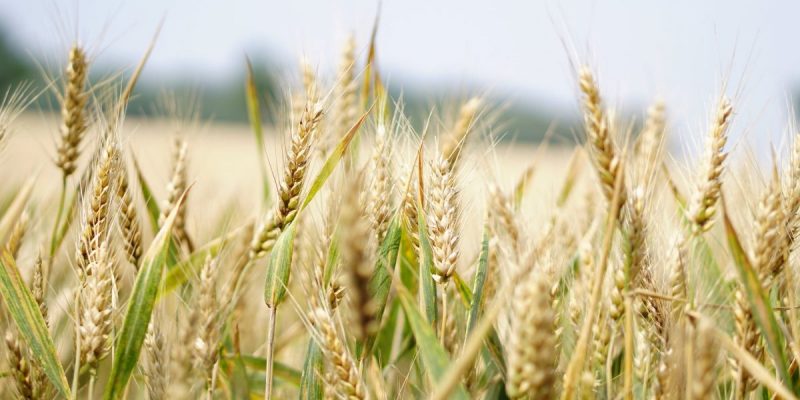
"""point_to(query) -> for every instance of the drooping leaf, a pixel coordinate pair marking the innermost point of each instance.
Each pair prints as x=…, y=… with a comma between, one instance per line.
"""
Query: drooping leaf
x=427, y=291
x=522, y=186
x=140, y=307
x=279, y=266
x=311, y=385
x=280, y=371
x=381, y=279
x=478, y=283
x=26, y=315
x=465, y=293
x=573, y=171
x=153, y=210
x=433, y=355
x=333, y=160
x=757, y=297
x=190, y=267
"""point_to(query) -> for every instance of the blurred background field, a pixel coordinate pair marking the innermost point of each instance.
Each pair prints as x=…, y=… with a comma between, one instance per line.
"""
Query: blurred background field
x=517, y=54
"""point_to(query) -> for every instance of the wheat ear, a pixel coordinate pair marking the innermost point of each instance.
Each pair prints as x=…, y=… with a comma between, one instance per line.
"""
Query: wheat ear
x=381, y=185
x=154, y=361
x=356, y=261
x=14, y=241
x=703, y=204
x=346, y=375
x=531, y=350
x=128, y=220
x=443, y=219
x=94, y=228
x=206, y=343
x=703, y=381
x=599, y=135
x=95, y=318
x=73, y=104
x=20, y=366
x=454, y=141
x=175, y=188
x=291, y=186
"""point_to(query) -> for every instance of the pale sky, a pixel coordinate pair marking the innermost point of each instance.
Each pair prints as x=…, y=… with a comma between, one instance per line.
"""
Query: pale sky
x=680, y=50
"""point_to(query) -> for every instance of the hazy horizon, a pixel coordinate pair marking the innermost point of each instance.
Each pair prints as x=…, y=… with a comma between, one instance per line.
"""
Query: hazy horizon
x=680, y=51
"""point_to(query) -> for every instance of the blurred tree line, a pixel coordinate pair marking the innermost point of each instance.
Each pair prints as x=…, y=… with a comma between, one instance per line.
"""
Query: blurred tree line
x=224, y=100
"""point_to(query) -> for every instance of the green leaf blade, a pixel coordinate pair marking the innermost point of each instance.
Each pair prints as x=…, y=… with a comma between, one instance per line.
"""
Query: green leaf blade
x=433, y=355
x=759, y=304
x=26, y=315
x=140, y=308
x=279, y=267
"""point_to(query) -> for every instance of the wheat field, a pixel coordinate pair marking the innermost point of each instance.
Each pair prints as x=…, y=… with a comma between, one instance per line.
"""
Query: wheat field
x=344, y=253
